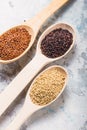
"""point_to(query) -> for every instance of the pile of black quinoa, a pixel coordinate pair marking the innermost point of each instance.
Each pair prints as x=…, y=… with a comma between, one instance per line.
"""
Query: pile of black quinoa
x=56, y=43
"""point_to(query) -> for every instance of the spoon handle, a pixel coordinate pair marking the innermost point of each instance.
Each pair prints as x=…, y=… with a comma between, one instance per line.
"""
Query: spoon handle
x=20, y=81
x=40, y=18
x=27, y=110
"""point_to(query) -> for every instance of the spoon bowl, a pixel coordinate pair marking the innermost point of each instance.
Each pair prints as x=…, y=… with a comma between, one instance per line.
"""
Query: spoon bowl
x=31, y=32
x=29, y=107
x=64, y=26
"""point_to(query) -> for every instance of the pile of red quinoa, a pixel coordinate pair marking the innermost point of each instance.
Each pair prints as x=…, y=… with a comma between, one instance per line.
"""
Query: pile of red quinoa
x=13, y=43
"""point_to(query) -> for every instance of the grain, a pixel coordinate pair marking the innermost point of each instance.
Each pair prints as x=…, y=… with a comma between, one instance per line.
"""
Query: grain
x=47, y=86
x=56, y=43
x=13, y=43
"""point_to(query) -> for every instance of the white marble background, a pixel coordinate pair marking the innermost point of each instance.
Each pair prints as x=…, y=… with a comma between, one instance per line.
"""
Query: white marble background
x=69, y=112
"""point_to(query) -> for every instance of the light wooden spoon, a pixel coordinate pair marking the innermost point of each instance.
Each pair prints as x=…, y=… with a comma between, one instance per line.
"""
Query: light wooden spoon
x=31, y=69
x=29, y=107
x=35, y=23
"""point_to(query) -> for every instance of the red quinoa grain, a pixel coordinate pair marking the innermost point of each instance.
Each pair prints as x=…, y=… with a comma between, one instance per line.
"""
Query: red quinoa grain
x=13, y=43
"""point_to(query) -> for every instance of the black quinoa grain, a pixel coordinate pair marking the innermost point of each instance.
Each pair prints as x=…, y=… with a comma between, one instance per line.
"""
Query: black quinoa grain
x=56, y=43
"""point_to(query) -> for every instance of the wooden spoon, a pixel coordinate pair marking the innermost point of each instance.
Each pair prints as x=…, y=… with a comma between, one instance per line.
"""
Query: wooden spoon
x=33, y=25
x=30, y=70
x=29, y=107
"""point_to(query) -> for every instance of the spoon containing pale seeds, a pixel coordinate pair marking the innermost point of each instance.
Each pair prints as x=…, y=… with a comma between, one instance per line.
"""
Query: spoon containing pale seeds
x=44, y=90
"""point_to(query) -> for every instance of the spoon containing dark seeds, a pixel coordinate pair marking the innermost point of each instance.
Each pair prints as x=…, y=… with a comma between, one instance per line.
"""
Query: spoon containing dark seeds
x=15, y=42
x=44, y=90
x=54, y=44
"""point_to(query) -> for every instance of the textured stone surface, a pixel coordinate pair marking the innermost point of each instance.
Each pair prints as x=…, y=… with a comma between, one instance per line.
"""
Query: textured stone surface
x=69, y=112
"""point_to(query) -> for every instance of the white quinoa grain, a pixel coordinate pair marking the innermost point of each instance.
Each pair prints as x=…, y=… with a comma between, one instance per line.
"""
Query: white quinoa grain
x=47, y=86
